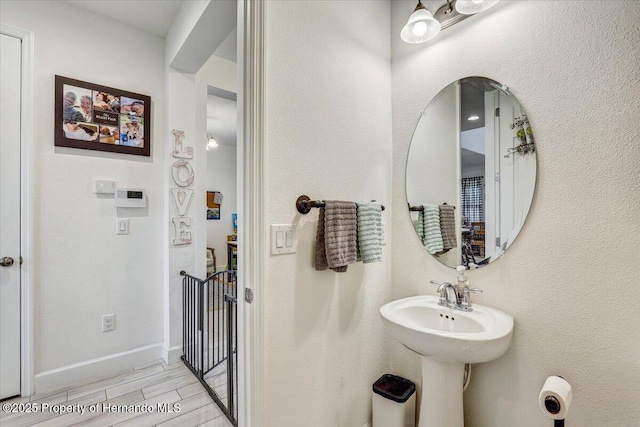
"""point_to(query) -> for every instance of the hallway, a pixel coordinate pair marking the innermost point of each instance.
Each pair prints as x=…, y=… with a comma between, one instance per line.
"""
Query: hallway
x=142, y=392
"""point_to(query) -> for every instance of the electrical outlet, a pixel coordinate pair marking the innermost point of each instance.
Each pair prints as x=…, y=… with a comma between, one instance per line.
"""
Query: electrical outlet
x=108, y=322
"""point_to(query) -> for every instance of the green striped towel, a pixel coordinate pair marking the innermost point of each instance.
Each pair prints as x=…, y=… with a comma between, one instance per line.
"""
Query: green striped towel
x=418, y=224
x=370, y=234
x=433, y=234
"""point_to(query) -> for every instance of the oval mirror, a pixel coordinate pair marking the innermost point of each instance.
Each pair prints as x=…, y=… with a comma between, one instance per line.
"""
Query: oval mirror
x=471, y=172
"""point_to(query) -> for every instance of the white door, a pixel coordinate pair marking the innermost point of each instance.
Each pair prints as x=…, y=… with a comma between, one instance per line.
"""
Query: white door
x=508, y=188
x=492, y=169
x=10, y=106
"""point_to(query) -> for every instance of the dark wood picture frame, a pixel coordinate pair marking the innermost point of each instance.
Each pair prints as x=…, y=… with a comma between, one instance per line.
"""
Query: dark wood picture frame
x=121, y=124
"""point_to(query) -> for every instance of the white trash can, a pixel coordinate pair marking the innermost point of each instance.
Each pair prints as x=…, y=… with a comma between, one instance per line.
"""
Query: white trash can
x=394, y=402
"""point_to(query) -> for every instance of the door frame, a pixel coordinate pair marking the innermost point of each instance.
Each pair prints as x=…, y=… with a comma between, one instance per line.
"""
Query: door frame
x=26, y=203
x=252, y=231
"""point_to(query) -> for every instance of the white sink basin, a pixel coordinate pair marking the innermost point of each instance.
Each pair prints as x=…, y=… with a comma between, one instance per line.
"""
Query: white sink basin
x=446, y=339
x=448, y=335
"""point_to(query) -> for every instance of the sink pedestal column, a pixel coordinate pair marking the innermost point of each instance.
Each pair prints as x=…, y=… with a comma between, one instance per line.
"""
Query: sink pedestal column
x=441, y=401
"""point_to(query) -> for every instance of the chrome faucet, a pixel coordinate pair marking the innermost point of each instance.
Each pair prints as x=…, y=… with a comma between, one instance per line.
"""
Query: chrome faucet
x=448, y=294
x=455, y=296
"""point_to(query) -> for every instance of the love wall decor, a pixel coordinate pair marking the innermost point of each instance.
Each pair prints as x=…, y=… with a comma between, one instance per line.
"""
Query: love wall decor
x=182, y=175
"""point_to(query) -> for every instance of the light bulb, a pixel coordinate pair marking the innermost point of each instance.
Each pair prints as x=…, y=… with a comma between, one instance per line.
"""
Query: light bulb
x=212, y=143
x=469, y=7
x=419, y=28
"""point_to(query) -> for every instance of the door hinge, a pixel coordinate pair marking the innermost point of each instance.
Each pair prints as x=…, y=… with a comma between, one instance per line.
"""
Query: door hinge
x=498, y=112
x=497, y=242
x=248, y=295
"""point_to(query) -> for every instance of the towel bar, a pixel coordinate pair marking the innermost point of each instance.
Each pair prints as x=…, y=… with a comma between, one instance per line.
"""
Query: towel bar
x=304, y=204
x=421, y=208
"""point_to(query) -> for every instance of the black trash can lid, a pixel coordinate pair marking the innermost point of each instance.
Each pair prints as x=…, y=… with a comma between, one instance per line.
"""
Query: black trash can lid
x=394, y=388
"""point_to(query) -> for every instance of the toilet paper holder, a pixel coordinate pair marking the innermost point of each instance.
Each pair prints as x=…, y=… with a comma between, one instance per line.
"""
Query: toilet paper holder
x=555, y=398
x=553, y=406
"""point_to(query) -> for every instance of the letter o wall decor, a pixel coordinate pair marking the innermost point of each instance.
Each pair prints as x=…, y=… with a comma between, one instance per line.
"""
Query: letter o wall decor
x=175, y=173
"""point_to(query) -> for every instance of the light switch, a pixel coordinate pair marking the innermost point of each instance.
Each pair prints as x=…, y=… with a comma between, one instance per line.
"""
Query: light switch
x=122, y=226
x=283, y=239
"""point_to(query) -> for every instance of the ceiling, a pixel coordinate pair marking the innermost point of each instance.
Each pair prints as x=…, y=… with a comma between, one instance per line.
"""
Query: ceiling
x=153, y=17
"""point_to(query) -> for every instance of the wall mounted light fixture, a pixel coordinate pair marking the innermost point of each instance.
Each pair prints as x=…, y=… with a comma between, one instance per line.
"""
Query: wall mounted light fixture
x=469, y=7
x=211, y=142
x=423, y=26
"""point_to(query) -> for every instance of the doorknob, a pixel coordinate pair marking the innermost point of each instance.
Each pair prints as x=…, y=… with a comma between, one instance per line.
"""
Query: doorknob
x=6, y=261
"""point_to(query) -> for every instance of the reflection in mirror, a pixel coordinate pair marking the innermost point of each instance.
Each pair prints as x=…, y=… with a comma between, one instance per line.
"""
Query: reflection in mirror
x=471, y=172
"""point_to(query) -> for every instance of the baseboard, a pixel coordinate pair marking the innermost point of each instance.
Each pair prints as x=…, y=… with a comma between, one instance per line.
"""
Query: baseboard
x=171, y=355
x=101, y=366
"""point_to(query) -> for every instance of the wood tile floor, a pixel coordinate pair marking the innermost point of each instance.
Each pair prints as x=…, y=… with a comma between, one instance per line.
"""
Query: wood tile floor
x=217, y=377
x=152, y=395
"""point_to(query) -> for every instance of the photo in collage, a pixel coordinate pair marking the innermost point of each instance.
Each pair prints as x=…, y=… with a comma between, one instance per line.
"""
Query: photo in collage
x=102, y=117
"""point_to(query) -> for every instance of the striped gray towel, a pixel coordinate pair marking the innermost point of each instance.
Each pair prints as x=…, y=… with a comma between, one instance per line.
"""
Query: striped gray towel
x=336, y=239
x=433, y=234
x=370, y=234
x=448, y=226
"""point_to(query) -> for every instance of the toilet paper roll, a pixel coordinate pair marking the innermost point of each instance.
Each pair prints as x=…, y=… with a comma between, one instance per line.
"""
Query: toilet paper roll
x=555, y=397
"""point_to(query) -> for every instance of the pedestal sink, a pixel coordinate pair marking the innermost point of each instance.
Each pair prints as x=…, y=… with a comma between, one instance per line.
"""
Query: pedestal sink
x=446, y=339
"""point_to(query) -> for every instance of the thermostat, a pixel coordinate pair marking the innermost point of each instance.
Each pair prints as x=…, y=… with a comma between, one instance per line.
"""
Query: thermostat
x=130, y=198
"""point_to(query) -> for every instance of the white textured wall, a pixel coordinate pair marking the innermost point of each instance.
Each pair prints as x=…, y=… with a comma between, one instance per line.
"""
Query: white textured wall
x=182, y=114
x=433, y=166
x=83, y=269
x=571, y=278
x=328, y=135
x=222, y=176
x=187, y=111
